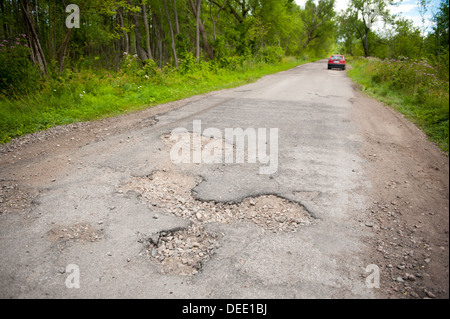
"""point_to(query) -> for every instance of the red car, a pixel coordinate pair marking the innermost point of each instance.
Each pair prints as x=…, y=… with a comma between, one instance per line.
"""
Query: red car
x=336, y=61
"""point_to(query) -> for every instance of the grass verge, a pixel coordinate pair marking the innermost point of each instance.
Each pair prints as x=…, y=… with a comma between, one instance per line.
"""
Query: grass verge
x=91, y=95
x=409, y=87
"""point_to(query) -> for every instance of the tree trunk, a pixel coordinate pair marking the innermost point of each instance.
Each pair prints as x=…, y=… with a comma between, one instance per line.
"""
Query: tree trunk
x=200, y=29
x=197, y=29
x=63, y=49
x=174, y=51
x=177, y=23
x=33, y=38
x=4, y=25
x=61, y=53
x=159, y=35
x=209, y=50
x=147, y=32
x=366, y=43
x=218, y=15
x=138, y=38
x=126, y=40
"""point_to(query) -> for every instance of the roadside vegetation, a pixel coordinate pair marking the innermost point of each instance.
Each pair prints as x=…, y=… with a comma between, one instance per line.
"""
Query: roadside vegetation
x=412, y=88
x=404, y=66
x=127, y=55
x=88, y=95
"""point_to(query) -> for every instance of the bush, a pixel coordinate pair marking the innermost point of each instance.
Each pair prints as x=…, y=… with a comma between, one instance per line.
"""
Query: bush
x=409, y=76
x=130, y=64
x=271, y=54
x=231, y=62
x=18, y=75
x=187, y=63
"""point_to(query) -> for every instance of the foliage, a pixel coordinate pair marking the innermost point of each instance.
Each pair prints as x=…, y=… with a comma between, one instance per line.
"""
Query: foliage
x=89, y=95
x=128, y=53
x=271, y=54
x=412, y=86
x=18, y=76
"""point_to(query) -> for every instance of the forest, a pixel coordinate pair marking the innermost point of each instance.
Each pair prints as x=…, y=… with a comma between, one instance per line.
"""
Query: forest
x=63, y=61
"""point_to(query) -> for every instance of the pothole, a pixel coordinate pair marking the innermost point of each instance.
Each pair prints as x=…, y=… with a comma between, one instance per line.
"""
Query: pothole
x=82, y=232
x=187, y=147
x=182, y=252
x=185, y=251
x=170, y=192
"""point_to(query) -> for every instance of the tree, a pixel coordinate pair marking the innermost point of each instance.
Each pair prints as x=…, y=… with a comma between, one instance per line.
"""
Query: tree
x=362, y=15
x=36, y=49
x=440, y=39
x=172, y=37
x=317, y=20
x=147, y=30
x=200, y=29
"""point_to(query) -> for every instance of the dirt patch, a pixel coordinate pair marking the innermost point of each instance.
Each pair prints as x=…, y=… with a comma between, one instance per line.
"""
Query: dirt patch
x=82, y=232
x=15, y=198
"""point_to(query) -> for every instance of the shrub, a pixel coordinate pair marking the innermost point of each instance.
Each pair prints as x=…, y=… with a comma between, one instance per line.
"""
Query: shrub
x=18, y=75
x=231, y=62
x=271, y=54
x=130, y=64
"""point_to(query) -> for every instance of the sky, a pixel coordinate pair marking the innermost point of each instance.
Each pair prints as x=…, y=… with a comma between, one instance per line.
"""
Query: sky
x=406, y=8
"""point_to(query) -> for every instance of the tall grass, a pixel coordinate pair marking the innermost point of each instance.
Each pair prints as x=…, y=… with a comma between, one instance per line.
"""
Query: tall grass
x=88, y=95
x=410, y=86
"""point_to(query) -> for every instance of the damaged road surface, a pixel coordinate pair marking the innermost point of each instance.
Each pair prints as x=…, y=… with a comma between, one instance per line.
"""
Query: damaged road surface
x=343, y=199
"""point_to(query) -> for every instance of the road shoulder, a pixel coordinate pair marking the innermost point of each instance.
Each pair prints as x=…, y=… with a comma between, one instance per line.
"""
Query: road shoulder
x=410, y=200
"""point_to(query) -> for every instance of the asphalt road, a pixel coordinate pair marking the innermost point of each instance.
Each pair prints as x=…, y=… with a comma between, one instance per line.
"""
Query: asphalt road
x=83, y=197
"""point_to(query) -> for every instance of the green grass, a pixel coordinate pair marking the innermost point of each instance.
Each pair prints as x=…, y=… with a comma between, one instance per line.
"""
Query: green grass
x=89, y=95
x=426, y=104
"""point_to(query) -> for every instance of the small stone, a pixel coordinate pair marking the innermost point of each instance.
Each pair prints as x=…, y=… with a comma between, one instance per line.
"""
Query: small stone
x=429, y=293
x=109, y=253
x=399, y=279
x=409, y=277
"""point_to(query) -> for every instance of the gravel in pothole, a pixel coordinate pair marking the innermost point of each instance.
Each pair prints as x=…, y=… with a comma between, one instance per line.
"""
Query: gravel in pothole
x=182, y=252
x=170, y=192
